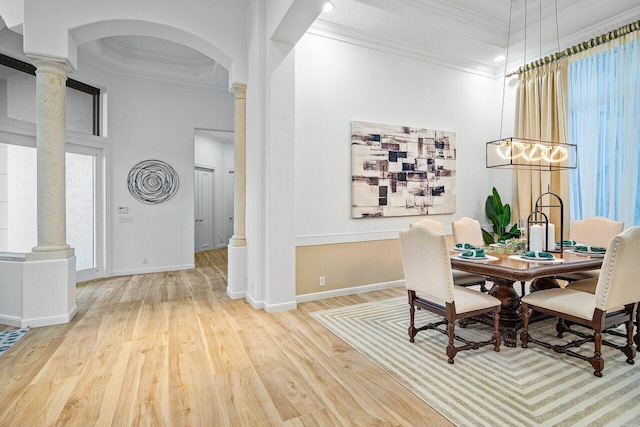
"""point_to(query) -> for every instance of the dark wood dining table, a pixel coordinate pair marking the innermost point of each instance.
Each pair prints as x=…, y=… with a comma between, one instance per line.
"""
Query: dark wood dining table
x=505, y=271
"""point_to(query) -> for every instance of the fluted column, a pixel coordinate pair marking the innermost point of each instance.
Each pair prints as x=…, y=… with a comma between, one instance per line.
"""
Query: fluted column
x=240, y=165
x=50, y=136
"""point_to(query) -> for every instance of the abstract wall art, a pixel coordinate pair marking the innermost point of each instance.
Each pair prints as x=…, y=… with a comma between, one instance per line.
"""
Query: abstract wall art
x=402, y=171
x=153, y=181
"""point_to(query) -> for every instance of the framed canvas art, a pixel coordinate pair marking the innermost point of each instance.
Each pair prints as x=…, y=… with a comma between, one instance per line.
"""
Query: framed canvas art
x=402, y=171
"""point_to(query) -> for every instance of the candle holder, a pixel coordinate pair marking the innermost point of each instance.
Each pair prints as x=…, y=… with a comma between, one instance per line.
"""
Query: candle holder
x=537, y=218
x=558, y=205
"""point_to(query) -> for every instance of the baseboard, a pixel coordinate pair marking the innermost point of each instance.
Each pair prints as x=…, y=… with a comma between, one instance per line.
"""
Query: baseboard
x=152, y=270
x=283, y=306
x=235, y=295
x=10, y=320
x=271, y=308
x=49, y=320
x=348, y=291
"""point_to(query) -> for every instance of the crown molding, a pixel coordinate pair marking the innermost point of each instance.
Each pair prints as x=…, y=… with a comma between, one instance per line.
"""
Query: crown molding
x=236, y=3
x=445, y=9
x=358, y=38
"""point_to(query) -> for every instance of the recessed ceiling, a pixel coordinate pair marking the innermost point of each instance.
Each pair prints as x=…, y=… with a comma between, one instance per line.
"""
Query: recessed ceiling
x=140, y=56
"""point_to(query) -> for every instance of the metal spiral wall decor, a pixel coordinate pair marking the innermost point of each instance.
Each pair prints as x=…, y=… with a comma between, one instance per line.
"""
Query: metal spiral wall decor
x=153, y=182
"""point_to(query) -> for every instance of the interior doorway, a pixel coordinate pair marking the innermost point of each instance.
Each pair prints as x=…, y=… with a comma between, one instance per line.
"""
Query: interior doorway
x=214, y=152
x=204, y=180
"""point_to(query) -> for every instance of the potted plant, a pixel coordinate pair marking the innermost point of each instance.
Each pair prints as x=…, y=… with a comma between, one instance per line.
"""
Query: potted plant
x=500, y=217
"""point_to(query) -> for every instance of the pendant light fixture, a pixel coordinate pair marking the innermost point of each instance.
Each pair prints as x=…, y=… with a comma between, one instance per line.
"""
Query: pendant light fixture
x=521, y=153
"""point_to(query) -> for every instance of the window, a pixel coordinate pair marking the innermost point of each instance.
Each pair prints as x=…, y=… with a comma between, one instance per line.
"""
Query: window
x=18, y=199
x=604, y=121
x=18, y=97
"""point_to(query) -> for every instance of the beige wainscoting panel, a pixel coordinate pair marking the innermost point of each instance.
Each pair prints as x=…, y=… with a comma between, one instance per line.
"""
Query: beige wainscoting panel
x=347, y=265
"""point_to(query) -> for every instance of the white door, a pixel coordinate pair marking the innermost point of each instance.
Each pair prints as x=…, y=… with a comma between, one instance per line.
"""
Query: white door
x=228, y=203
x=204, y=209
x=84, y=210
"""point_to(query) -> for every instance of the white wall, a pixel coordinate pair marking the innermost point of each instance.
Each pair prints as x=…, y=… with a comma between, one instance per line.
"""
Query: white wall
x=217, y=155
x=149, y=120
x=338, y=82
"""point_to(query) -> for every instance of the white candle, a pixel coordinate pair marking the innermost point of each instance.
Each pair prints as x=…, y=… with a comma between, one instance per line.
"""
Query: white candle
x=535, y=239
x=551, y=237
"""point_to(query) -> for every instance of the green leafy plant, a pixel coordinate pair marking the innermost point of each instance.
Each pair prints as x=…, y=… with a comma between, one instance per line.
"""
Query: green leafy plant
x=500, y=217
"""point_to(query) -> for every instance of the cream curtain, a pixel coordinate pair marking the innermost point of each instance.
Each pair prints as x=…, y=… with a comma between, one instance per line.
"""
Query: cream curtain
x=542, y=113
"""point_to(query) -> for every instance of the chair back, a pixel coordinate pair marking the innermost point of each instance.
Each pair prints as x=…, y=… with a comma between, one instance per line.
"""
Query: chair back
x=425, y=260
x=429, y=223
x=618, y=281
x=467, y=230
x=595, y=231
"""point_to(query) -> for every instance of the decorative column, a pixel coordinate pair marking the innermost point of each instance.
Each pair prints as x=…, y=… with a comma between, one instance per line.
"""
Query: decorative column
x=237, y=249
x=239, y=91
x=50, y=135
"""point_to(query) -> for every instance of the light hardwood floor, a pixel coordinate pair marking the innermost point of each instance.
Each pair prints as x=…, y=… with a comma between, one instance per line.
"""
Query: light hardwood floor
x=172, y=349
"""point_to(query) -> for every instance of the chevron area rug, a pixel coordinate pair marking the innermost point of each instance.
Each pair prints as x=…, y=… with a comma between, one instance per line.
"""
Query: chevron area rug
x=9, y=338
x=515, y=387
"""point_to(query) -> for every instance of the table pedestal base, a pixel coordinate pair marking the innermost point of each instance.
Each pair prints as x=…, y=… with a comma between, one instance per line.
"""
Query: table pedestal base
x=510, y=316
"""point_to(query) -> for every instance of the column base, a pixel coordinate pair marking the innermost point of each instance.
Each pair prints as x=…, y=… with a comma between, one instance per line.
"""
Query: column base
x=237, y=272
x=238, y=241
x=50, y=252
x=38, y=293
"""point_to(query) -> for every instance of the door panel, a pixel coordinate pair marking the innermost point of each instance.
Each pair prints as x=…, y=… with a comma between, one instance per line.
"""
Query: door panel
x=204, y=181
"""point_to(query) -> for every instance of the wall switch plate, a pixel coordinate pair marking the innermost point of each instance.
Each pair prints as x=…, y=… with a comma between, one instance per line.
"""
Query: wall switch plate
x=321, y=281
x=123, y=210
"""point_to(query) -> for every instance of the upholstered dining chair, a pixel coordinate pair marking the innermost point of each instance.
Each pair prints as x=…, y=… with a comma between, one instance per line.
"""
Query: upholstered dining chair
x=460, y=278
x=594, y=231
x=467, y=230
x=615, y=301
x=429, y=283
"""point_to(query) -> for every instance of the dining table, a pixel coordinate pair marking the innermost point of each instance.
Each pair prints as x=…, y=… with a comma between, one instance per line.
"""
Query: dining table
x=504, y=270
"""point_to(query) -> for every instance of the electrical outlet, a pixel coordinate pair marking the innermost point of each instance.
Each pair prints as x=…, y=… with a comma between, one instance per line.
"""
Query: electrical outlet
x=145, y=260
x=321, y=281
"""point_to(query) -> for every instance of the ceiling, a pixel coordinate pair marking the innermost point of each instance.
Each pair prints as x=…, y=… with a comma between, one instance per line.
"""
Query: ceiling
x=469, y=34
x=463, y=34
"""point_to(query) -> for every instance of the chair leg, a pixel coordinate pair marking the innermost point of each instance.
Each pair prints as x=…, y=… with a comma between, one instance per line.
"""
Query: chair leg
x=629, y=350
x=496, y=330
x=597, y=362
x=522, y=287
x=412, y=315
x=451, y=350
x=524, y=336
x=637, y=337
x=561, y=328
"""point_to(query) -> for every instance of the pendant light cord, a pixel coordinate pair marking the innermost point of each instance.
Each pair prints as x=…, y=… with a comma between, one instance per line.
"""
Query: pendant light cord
x=506, y=62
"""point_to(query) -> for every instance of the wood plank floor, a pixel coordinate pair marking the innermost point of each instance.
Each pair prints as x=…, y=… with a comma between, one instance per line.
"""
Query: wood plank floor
x=171, y=349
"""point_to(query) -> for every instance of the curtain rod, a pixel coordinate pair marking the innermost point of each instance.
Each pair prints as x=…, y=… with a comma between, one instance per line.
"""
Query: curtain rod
x=580, y=47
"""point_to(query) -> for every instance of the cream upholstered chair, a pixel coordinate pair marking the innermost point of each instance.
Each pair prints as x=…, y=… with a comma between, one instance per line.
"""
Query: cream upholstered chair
x=467, y=230
x=594, y=231
x=429, y=283
x=460, y=278
x=615, y=301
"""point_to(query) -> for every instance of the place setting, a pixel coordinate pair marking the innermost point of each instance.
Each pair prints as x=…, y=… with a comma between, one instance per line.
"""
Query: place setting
x=587, y=250
x=474, y=255
x=537, y=256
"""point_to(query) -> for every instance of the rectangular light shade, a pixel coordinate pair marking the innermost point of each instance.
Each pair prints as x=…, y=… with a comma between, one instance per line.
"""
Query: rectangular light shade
x=521, y=153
